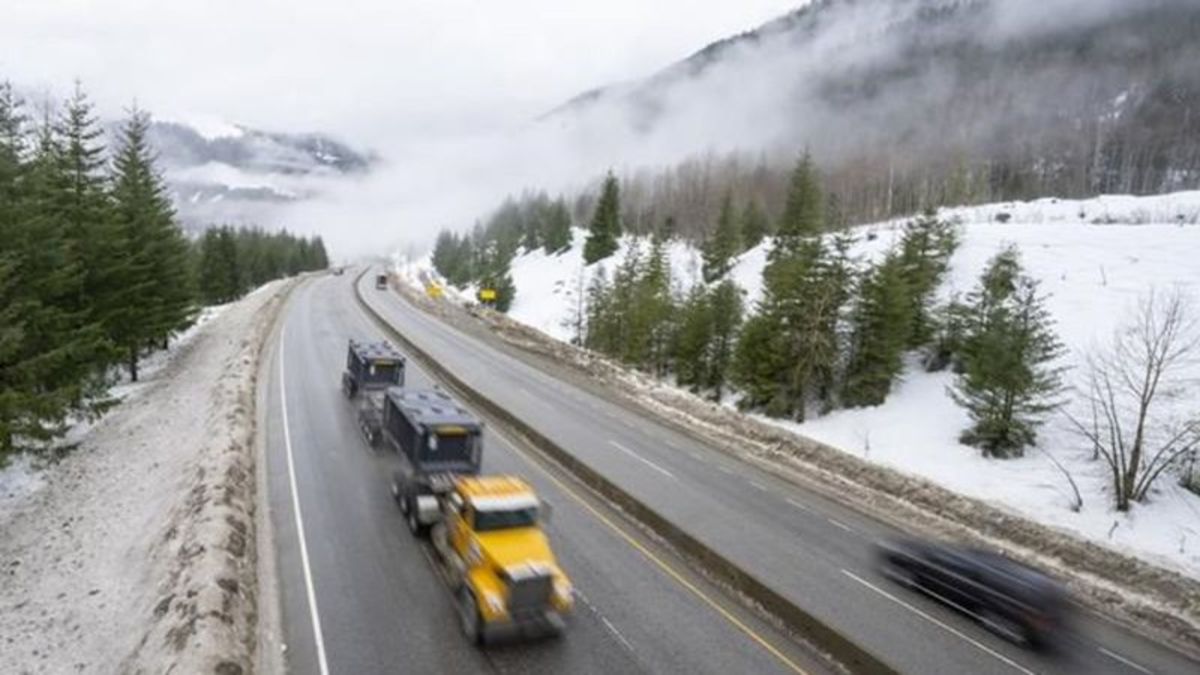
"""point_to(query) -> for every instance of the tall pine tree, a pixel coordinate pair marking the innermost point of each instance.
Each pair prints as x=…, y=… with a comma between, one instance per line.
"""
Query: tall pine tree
x=754, y=225
x=158, y=289
x=557, y=236
x=723, y=244
x=880, y=328
x=604, y=232
x=1008, y=383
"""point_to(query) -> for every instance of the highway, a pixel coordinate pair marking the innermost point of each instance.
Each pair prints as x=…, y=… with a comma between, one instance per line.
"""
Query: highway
x=817, y=552
x=380, y=608
x=358, y=595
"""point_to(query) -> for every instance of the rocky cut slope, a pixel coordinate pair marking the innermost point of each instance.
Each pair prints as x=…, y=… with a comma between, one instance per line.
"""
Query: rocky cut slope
x=1065, y=97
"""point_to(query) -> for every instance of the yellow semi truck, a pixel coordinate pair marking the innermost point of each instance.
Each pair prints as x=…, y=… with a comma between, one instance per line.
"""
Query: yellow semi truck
x=486, y=531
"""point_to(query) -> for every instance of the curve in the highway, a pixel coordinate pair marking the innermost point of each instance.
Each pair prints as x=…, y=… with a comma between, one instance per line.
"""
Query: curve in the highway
x=359, y=596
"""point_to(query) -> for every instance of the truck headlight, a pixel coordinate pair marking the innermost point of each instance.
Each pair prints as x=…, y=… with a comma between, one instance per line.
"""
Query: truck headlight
x=562, y=591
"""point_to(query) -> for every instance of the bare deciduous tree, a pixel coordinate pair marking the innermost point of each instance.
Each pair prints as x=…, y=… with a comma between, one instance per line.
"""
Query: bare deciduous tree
x=1131, y=393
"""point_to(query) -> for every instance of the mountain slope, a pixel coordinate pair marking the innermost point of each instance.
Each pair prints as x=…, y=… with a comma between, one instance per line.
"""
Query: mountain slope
x=1077, y=97
x=1094, y=258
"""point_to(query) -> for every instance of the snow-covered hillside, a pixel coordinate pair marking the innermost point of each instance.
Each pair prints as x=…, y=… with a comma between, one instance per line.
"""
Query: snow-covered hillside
x=1094, y=258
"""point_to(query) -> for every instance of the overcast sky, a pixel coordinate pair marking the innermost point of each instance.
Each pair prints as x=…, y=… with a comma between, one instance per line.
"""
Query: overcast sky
x=373, y=71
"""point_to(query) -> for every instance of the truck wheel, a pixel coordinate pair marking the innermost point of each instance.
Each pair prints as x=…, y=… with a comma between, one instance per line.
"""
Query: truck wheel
x=468, y=612
x=414, y=521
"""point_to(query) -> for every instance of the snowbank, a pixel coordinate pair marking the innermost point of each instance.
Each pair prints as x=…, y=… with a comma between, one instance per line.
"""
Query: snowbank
x=136, y=554
x=1094, y=257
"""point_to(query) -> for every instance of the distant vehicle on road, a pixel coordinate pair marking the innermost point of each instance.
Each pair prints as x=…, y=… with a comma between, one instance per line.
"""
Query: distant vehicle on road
x=1012, y=600
x=338, y=271
x=381, y=282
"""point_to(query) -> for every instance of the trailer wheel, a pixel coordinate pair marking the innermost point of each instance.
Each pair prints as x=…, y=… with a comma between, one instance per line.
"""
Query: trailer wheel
x=468, y=613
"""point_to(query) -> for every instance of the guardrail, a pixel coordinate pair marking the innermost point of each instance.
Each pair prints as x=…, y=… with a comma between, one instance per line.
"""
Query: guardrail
x=841, y=648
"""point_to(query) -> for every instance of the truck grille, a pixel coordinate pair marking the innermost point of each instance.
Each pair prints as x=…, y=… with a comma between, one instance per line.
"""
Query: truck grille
x=530, y=594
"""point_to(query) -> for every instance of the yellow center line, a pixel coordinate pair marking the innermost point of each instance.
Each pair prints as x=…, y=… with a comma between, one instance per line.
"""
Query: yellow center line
x=662, y=564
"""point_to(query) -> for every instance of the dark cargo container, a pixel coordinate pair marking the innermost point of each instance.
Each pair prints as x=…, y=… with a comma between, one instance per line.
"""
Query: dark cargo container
x=372, y=366
x=432, y=431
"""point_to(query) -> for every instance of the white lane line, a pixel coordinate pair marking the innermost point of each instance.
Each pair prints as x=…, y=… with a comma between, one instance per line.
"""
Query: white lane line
x=318, y=637
x=638, y=457
x=982, y=647
x=758, y=486
x=1117, y=657
x=613, y=629
x=839, y=524
x=798, y=505
x=725, y=469
x=695, y=455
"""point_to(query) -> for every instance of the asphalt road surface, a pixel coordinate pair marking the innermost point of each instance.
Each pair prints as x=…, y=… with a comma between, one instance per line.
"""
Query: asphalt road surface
x=811, y=549
x=359, y=595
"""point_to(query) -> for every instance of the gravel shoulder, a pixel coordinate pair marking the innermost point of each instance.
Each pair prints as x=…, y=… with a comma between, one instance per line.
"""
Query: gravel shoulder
x=136, y=553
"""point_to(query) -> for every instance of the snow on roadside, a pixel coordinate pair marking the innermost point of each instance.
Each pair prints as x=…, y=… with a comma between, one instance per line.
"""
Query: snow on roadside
x=136, y=553
x=1094, y=257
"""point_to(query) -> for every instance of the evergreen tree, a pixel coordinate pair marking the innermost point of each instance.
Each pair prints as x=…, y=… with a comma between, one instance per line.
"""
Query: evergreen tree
x=653, y=313
x=723, y=244
x=754, y=225
x=805, y=286
x=219, y=268
x=158, y=286
x=1008, y=384
x=925, y=250
x=692, y=339
x=557, y=235
x=760, y=365
x=726, y=311
x=604, y=232
x=802, y=214
x=880, y=327
x=50, y=348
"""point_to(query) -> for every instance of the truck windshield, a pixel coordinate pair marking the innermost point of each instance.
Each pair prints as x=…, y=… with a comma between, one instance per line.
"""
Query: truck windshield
x=383, y=372
x=504, y=519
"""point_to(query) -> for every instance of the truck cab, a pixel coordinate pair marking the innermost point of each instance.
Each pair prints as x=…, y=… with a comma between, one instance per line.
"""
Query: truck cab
x=508, y=580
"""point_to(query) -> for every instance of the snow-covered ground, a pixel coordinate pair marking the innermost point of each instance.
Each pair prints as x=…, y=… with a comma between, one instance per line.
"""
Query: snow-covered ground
x=1095, y=258
x=135, y=552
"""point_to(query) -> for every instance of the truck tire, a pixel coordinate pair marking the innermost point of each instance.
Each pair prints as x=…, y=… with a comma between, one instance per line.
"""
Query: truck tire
x=469, y=619
x=413, y=518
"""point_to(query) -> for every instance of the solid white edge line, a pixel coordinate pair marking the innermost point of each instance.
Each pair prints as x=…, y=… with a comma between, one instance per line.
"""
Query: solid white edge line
x=638, y=457
x=954, y=631
x=308, y=580
x=1117, y=657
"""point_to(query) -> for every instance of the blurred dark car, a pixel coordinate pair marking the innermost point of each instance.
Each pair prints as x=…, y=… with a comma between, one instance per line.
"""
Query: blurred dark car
x=1012, y=600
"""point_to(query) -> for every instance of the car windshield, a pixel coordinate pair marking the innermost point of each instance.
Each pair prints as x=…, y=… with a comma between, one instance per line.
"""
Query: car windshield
x=504, y=519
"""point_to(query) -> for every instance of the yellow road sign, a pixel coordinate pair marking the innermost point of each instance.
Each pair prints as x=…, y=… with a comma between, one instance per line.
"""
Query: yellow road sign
x=487, y=294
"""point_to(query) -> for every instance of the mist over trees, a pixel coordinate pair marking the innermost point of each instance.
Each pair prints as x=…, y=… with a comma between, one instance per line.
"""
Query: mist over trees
x=95, y=270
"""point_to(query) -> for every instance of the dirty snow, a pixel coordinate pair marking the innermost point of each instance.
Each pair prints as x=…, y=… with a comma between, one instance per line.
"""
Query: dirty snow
x=1094, y=257
x=123, y=560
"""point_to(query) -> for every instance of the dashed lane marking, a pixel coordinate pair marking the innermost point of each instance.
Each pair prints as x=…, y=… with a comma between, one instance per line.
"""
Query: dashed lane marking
x=638, y=457
x=952, y=630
